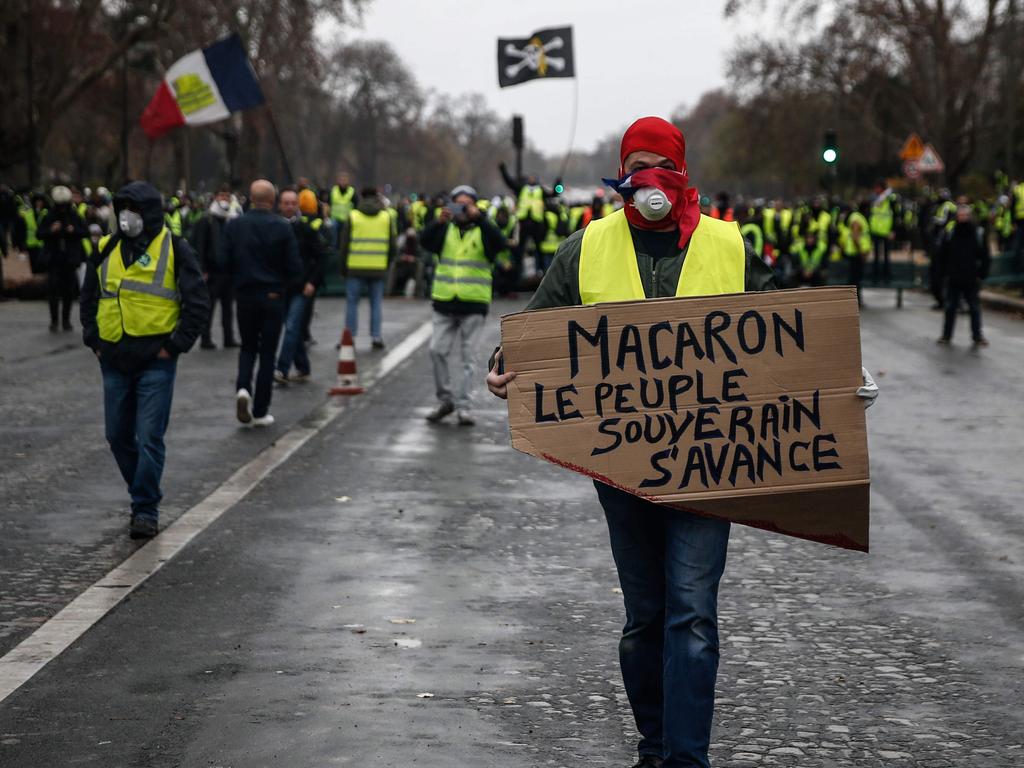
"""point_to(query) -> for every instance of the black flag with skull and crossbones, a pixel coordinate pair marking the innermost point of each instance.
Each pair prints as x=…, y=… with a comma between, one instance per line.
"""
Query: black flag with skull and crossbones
x=544, y=54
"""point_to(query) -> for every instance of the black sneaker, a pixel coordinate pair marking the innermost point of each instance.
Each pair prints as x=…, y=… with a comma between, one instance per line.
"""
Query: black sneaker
x=649, y=761
x=378, y=343
x=440, y=412
x=143, y=527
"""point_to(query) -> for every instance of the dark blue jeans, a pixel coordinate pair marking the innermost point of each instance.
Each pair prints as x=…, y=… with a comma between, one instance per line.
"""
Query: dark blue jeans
x=137, y=407
x=670, y=563
x=293, y=350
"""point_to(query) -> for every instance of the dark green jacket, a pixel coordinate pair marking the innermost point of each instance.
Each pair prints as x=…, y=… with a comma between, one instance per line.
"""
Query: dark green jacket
x=561, y=284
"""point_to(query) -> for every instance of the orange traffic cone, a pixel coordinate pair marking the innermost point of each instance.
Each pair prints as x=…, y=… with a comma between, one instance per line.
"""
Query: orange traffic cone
x=348, y=377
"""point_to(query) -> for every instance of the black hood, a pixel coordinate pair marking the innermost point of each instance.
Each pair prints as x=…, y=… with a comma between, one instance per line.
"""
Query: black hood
x=145, y=197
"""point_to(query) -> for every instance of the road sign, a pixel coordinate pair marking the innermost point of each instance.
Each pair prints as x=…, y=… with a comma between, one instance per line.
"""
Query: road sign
x=911, y=170
x=930, y=162
x=913, y=148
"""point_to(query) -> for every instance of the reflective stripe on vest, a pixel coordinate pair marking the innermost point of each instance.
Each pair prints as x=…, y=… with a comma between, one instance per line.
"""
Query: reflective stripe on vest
x=368, y=247
x=463, y=272
x=142, y=299
x=341, y=202
x=531, y=203
x=715, y=261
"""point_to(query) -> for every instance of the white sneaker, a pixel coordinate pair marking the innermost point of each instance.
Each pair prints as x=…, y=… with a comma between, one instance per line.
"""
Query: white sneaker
x=243, y=406
x=262, y=421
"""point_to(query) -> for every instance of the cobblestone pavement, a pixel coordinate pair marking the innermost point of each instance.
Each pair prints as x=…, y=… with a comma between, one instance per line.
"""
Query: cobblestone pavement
x=389, y=560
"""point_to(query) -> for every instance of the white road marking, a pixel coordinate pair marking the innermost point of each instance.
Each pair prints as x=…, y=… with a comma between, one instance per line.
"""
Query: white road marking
x=23, y=661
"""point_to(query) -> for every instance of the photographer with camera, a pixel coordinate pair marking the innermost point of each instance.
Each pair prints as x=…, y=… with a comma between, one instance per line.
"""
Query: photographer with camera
x=466, y=244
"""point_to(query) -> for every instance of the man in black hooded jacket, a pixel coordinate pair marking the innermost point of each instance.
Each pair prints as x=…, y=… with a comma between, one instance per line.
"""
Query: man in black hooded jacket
x=143, y=303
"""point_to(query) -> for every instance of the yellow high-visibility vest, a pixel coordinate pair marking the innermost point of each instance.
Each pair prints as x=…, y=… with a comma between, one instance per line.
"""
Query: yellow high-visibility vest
x=368, y=246
x=463, y=271
x=142, y=299
x=341, y=202
x=531, y=203
x=715, y=261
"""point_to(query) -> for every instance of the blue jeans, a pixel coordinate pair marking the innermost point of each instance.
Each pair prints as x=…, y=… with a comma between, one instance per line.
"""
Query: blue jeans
x=293, y=350
x=353, y=290
x=670, y=563
x=137, y=407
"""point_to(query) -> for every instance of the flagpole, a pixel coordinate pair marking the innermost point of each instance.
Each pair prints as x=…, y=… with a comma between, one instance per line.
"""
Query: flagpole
x=280, y=144
x=572, y=129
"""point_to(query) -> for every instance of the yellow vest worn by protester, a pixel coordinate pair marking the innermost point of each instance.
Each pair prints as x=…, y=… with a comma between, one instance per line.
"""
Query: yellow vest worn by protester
x=341, y=202
x=531, y=203
x=1018, y=208
x=368, y=246
x=551, y=241
x=715, y=261
x=882, y=218
x=463, y=272
x=849, y=246
x=142, y=299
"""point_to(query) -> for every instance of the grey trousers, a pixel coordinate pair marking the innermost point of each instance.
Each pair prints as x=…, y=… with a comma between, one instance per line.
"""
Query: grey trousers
x=446, y=329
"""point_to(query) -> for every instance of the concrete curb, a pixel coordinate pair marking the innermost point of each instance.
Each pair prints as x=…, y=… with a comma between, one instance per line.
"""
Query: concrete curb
x=1002, y=302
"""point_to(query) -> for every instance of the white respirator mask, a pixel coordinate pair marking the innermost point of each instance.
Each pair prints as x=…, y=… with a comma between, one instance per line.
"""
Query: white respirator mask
x=652, y=203
x=130, y=223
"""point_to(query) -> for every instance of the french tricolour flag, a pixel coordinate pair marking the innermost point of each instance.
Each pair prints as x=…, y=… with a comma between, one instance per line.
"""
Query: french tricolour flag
x=203, y=87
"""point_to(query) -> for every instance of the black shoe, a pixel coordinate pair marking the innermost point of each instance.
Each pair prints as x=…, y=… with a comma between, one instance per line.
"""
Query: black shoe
x=230, y=344
x=143, y=527
x=207, y=344
x=440, y=412
x=649, y=761
x=378, y=343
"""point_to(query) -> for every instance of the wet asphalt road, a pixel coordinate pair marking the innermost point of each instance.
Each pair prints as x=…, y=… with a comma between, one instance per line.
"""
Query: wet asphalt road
x=389, y=559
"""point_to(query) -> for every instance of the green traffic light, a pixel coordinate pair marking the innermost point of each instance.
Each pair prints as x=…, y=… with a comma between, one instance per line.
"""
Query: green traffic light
x=830, y=155
x=559, y=189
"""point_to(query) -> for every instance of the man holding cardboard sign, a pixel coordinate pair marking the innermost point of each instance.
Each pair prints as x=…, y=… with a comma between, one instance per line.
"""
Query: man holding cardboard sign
x=670, y=560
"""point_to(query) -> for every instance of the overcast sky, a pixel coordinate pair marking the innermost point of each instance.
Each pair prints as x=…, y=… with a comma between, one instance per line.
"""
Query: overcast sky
x=627, y=65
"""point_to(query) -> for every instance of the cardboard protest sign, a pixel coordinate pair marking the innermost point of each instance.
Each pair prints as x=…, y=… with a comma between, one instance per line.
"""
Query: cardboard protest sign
x=741, y=407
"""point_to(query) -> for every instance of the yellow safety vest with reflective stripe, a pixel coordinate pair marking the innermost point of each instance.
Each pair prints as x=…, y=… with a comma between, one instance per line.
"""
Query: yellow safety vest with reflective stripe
x=368, y=246
x=849, y=246
x=173, y=221
x=881, y=218
x=715, y=261
x=418, y=209
x=531, y=203
x=751, y=232
x=552, y=239
x=341, y=202
x=1018, y=208
x=463, y=272
x=32, y=222
x=142, y=299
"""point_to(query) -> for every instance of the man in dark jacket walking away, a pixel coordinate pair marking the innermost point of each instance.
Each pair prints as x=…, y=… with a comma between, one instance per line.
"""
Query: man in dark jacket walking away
x=965, y=255
x=206, y=237
x=62, y=231
x=312, y=252
x=262, y=256
x=368, y=245
x=143, y=303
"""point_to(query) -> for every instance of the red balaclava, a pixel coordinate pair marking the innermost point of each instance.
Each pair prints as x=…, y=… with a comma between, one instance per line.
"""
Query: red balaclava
x=653, y=134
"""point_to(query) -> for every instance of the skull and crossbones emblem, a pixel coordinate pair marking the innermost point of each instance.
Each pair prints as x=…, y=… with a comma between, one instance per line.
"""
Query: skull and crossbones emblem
x=535, y=57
